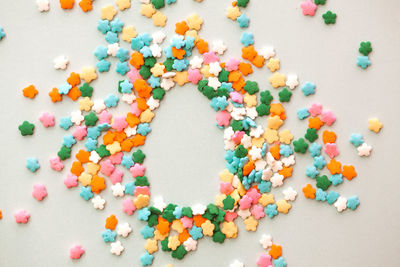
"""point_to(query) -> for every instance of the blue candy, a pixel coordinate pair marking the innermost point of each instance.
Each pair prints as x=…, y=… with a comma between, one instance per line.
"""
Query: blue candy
x=315, y=149
x=32, y=164
x=93, y=132
x=103, y=26
x=112, y=37
x=103, y=65
x=130, y=188
x=285, y=150
x=311, y=171
x=108, y=236
x=116, y=25
x=319, y=162
x=91, y=144
x=271, y=210
x=363, y=62
x=126, y=87
x=65, y=123
x=353, y=202
x=247, y=39
x=86, y=193
x=219, y=103
x=143, y=129
x=101, y=52
x=122, y=68
x=336, y=179
x=356, y=139
x=64, y=88
x=243, y=21
x=146, y=259
x=320, y=195
x=177, y=212
x=264, y=187
x=127, y=161
x=332, y=197
x=69, y=141
x=308, y=89
x=196, y=232
x=147, y=232
x=111, y=100
x=143, y=214
x=280, y=262
x=302, y=113
x=122, y=54
x=180, y=65
x=154, y=81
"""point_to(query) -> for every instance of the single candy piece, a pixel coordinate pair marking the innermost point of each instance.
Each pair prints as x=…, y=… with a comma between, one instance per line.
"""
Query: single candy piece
x=329, y=17
x=375, y=125
x=363, y=62
x=341, y=204
x=365, y=48
x=124, y=229
x=308, y=88
x=32, y=164
x=21, y=216
x=2, y=34
x=98, y=202
x=30, y=91
x=236, y=263
x=364, y=150
x=356, y=139
x=47, y=119
x=308, y=8
x=39, y=192
x=61, y=62
x=116, y=248
x=26, y=128
x=266, y=241
x=43, y=5
x=76, y=252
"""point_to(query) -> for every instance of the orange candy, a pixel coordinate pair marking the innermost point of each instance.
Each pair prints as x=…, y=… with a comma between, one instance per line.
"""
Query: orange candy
x=329, y=137
x=111, y=222
x=275, y=251
x=182, y=237
x=141, y=103
x=127, y=145
x=77, y=168
x=202, y=46
x=55, y=95
x=178, y=53
x=245, y=68
x=86, y=5
x=137, y=59
x=199, y=220
x=74, y=93
x=349, y=172
x=275, y=152
x=248, y=167
x=1, y=215
x=181, y=27
x=132, y=119
x=74, y=79
x=138, y=140
x=334, y=166
x=286, y=172
x=315, y=123
x=83, y=156
x=309, y=191
x=97, y=184
x=162, y=226
x=249, y=52
x=258, y=61
x=108, y=138
x=67, y=4
x=30, y=91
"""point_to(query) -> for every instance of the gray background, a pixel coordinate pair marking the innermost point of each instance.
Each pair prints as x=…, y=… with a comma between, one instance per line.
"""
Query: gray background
x=185, y=149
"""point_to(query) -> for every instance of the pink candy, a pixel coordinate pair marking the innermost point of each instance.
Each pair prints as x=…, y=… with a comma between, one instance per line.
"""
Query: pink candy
x=76, y=252
x=137, y=170
x=47, y=119
x=210, y=57
x=106, y=167
x=80, y=132
x=264, y=261
x=230, y=216
x=128, y=207
x=194, y=76
x=308, y=8
x=21, y=216
x=225, y=188
x=104, y=117
x=258, y=211
x=116, y=176
x=56, y=164
x=232, y=64
x=223, y=118
x=141, y=190
x=245, y=202
x=328, y=117
x=254, y=195
x=119, y=123
x=116, y=158
x=135, y=110
x=331, y=150
x=315, y=109
x=236, y=97
x=39, y=192
x=187, y=222
x=71, y=180
x=134, y=74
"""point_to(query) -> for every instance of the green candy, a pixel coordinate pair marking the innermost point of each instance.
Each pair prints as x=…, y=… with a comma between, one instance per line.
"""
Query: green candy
x=218, y=237
x=228, y=203
x=86, y=90
x=154, y=210
x=169, y=215
x=26, y=128
x=168, y=64
x=158, y=93
x=150, y=62
x=91, y=119
x=201, y=85
x=329, y=17
x=263, y=109
x=212, y=208
x=102, y=151
x=251, y=87
x=153, y=220
x=266, y=97
x=138, y=156
x=285, y=95
x=236, y=125
x=311, y=135
x=209, y=92
x=323, y=182
x=158, y=3
x=145, y=72
x=187, y=211
x=240, y=151
x=141, y=181
x=319, y=2
x=223, y=75
x=164, y=245
x=222, y=92
x=365, y=48
x=64, y=153
x=300, y=145
x=242, y=3
x=179, y=253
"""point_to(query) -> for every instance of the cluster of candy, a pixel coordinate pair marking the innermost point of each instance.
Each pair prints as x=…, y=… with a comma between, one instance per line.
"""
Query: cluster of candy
x=365, y=49
x=234, y=13
x=309, y=7
x=273, y=257
x=258, y=159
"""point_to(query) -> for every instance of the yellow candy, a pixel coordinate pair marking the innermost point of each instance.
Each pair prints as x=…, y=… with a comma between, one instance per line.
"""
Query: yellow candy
x=226, y=176
x=151, y=246
x=251, y=224
x=147, y=10
x=146, y=116
x=229, y=229
x=194, y=22
x=141, y=201
x=271, y=135
x=123, y=4
x=173, y=242
x=159, y=236
x=277, y=80
x=283, y=206
x=177, y=226
x=285, y=137
x=258, y=142
x=233, y=13
x=128, y=32
x=273, y=64
x=218, y=200
x=159, y=19
x=85, y=104
x=88, y=74
x=266, y=199
x=157, y=70
x=208, y=228
x=108, y=12
x=92, y=168
x=375, y=125
x=274, y=122
x=85, y=178
x=250, y=100
x=114, y=147
x=181, y=78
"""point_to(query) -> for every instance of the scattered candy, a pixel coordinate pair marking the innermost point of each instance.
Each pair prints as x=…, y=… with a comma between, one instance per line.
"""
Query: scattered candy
x=61, y=63
x=39, y=192
x=76, y=252
x=21, y=216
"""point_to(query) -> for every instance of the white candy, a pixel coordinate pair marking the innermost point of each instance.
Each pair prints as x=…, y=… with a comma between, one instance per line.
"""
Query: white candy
x=124, y=229
x=118, y=190
x=290, y=194
x=364, y=150
x=116, y=248
x=341, y=204
x=266, y=241
x=292, y=81
x=98, y=202
x=61, y=62
x=219, y=47
x=43, y=5
x=196, y=62
x=159, y=203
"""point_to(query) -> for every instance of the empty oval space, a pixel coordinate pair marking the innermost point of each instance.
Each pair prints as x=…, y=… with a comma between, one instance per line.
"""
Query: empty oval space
x=185, y=150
